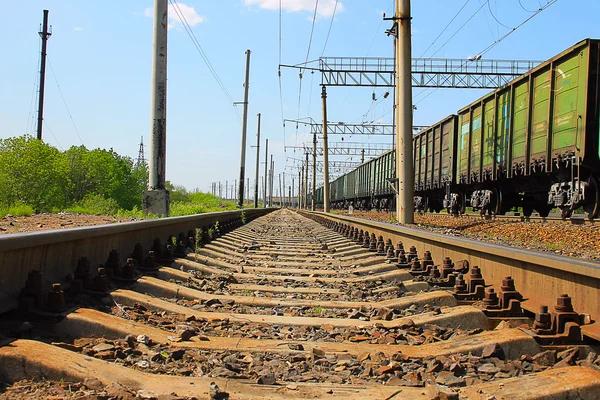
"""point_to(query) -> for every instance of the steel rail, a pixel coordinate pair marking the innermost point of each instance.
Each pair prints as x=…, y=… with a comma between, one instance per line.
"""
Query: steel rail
x=538, y=276
x=55, y=253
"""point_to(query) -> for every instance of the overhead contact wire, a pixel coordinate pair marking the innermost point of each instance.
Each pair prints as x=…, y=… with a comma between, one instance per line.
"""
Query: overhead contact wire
x=203, y=55
x=64, y=101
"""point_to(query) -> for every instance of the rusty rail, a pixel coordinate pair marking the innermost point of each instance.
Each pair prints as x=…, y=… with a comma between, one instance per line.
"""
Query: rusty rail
x=539, y=276
x=55, y=253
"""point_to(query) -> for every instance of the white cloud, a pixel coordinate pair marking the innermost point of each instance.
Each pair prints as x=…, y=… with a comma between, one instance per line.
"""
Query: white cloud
x=189, y=14
x=324, y=9
x=78, y=29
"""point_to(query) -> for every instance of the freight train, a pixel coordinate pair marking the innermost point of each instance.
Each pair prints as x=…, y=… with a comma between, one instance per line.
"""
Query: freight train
x=533, y=143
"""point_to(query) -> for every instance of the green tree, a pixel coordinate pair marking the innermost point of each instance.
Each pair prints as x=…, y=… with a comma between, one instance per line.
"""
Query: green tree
x=177, y=192
x=32, y=172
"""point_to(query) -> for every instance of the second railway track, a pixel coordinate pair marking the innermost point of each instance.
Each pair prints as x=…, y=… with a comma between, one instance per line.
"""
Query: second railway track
x=286, y=307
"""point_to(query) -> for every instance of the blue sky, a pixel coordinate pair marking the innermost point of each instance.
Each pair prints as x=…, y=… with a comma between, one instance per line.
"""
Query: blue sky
x=100, y=53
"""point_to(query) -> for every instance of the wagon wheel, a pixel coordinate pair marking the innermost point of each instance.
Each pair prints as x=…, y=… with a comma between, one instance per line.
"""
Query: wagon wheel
x=462, y=206
x=543, y=210
x=495, y=205
x=565, y=212
x=497, y=202
x=592, y=206
x=527, y=210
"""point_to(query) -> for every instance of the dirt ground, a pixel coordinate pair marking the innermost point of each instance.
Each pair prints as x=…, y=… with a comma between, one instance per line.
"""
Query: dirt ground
x=42, y=222
x=578, y=241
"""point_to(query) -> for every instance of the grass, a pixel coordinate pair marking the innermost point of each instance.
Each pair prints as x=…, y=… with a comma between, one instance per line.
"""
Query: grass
x=98, y=205
x=199, y=203
x=318, y=310
x=195, y=203
x=18, y=210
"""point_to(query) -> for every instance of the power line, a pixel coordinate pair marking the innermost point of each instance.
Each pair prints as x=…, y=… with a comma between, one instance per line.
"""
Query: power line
x=200, y=50
x=305, y=62
x=30, y=115
x=493, y=16
x=64, y=100
x=460, y=28
x=487, y=21
x=330, y=25
x=548, y=4
x=495, y=43
x=445, y=43
x=52, y=133
x=312, y=29
x=280, y=31
x=368, y=51
x=525, y=9
x=279, y=74
x=444, y=30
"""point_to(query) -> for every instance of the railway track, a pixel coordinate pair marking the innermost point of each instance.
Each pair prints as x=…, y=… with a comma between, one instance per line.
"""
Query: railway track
x=288, y=306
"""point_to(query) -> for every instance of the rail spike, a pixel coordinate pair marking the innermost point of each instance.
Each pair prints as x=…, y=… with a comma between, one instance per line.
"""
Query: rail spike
x=366, y=241
x=506, y=304
x=56, y=299
x=561, y=327
x=373, y=243
x=380, y=248
x=360, y=237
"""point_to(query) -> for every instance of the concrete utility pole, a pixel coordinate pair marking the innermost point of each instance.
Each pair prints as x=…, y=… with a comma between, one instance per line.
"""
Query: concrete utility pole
x=244, y=126
x=156, y=199
x=404, y=144
x=266, y=168
x=292, y=188
x=287, y=201
x=300, y=187
x=44, y=34
x=306, y=182
x=226, y=189
x=257, y=163
x=248, y=188
x=281, y=203
x=325, y=154
x=314, y=173
x=271, y=176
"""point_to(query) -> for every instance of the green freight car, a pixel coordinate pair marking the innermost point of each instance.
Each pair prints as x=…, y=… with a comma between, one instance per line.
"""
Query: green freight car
x=434, y=164
x=534, y=142
x=366, y=186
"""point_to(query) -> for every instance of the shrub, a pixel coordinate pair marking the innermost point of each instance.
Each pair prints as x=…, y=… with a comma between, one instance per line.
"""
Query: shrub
x=95, y=204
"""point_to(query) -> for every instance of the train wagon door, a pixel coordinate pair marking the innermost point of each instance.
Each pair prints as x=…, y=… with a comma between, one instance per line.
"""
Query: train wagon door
x=503, y=107
x=520, y=124
x=447, y=150
x=475, y=158
x=569, y=106
x=429, y=163
x=463, y=147
x=539, y=123
x=422, y=161
x=488, y=139
x=437, y=144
